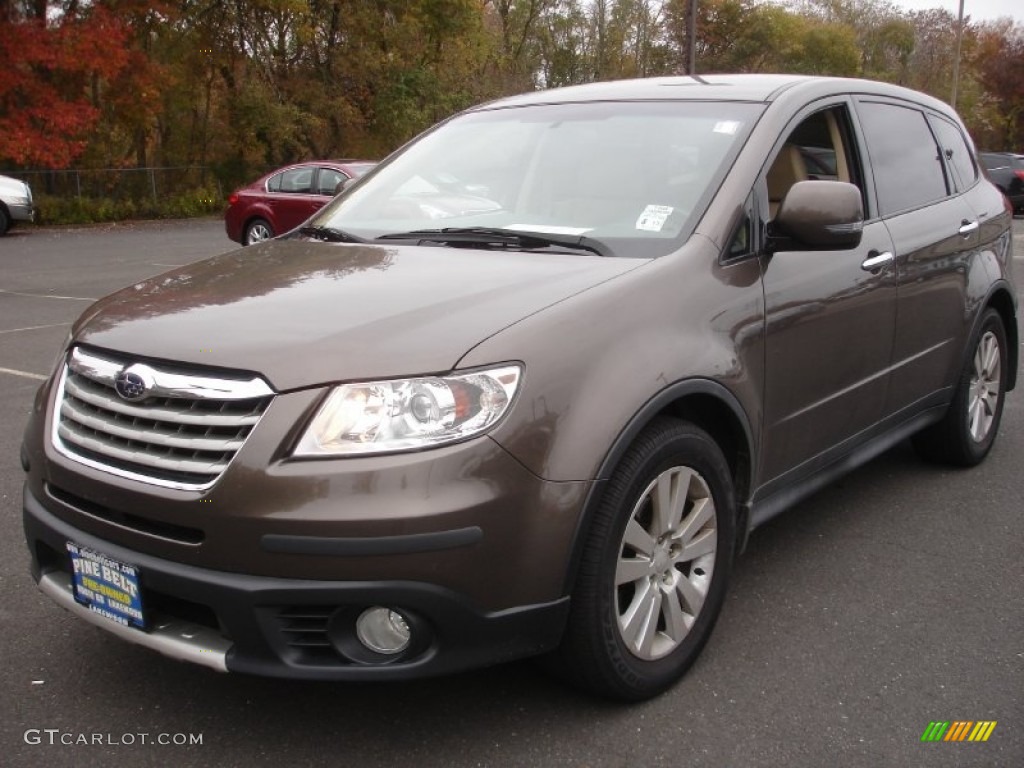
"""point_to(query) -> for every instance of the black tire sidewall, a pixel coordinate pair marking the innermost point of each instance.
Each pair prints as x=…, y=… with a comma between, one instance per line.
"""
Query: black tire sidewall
x=670, y=443
x=972, y=450
x=252, y=225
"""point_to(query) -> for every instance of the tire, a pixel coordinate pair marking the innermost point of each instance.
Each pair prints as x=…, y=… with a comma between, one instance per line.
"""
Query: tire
x=966, y=433
x=650, y=586
x=5, y=221
x=256, y=231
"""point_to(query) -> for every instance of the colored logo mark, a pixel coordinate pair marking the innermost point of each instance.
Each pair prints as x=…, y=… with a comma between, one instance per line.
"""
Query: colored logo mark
x=959, y=730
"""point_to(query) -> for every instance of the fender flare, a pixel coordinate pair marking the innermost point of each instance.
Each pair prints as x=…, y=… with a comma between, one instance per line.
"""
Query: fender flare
x=1000, y=292
x=259, y=212
x=656, y=405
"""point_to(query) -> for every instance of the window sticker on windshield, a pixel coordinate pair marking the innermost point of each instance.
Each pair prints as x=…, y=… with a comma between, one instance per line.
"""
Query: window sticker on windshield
x=728, y=127
x=653, y=218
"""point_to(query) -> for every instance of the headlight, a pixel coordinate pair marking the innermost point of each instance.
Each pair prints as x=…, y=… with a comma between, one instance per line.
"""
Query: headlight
x=409, y=414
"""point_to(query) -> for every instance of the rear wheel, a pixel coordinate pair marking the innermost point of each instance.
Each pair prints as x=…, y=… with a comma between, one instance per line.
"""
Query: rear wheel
x=966, y=433
x=655, y=566
x=5, y=221
x=257, y=231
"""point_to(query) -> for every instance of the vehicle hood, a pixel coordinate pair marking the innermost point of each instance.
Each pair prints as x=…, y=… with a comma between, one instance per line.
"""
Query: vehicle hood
x=303, y=313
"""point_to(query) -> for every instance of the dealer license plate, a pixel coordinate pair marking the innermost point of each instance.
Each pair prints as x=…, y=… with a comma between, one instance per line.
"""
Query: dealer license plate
x=106, y=586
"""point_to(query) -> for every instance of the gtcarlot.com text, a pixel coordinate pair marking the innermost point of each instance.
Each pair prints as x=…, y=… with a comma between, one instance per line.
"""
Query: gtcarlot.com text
x=57, y=737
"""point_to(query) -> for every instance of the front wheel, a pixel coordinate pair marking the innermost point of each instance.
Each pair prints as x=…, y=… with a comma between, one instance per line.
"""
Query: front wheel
x=967, y=431
x=655, y=565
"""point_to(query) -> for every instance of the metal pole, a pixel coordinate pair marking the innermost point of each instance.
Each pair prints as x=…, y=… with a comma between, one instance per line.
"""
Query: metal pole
x=956, y=61
x=691, y=39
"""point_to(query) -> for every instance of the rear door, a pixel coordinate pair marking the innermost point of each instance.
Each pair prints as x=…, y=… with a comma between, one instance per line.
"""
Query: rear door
x=295, y=199
x=935, y=233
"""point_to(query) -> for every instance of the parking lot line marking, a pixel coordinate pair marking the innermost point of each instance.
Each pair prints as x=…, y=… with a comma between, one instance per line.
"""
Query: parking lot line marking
x=24, y=374
x=34, y=327
x=46, y=296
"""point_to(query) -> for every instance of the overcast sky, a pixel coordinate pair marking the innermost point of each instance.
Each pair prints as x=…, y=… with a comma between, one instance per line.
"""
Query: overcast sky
x=980, y=10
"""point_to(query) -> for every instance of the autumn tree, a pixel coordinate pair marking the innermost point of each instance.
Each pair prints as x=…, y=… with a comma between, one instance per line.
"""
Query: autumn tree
x=1000, y=61
x=56, y=64
x=242, y=87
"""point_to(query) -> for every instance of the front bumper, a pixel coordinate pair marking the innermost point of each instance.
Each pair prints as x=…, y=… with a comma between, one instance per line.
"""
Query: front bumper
x=22, y=211
x=293, y=628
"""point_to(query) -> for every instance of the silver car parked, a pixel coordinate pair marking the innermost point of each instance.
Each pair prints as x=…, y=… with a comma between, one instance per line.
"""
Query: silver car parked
x=15, y=203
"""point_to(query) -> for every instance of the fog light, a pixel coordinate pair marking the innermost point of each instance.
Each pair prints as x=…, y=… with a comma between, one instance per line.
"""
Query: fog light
x=383, y=630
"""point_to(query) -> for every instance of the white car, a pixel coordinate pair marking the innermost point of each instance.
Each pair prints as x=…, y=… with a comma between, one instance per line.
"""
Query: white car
x=15, y=202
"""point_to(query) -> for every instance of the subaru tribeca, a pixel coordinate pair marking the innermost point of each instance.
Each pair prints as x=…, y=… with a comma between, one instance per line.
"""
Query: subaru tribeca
x=527, y=388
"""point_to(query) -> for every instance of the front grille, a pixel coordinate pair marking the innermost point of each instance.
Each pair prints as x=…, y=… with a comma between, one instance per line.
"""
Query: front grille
x=178, y=533
x=182, y=433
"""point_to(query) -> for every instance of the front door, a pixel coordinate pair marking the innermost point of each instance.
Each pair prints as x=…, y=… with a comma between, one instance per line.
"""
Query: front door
x=830, y=315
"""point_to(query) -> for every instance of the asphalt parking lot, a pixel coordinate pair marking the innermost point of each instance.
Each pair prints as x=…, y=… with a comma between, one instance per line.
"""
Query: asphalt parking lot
x=891, y=599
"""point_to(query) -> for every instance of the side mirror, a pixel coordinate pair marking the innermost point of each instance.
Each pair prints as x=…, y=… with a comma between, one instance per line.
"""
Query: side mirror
x=342, y=185
x=825, y=215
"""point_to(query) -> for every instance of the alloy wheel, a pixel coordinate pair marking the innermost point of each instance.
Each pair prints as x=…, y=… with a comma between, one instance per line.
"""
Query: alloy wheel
x=665, y=564
x=983, y=398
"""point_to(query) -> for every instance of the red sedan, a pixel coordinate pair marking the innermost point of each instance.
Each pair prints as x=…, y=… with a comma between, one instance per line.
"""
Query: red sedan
x=283, y=199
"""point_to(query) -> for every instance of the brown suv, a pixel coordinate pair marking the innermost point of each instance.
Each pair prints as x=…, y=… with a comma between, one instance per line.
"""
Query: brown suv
x=528, y=386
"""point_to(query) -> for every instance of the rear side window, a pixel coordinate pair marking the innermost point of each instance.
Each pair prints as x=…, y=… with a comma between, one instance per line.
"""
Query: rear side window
x=328, y=181
x=991, y=162
x=297, y=180
x=957, y=153
x=905, y=158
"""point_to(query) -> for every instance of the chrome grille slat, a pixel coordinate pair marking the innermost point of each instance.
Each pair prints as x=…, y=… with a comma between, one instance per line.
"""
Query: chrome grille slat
x=146, y=458
x=70, y=411
x=167, y=383
x=183, y=433
x=157, y=414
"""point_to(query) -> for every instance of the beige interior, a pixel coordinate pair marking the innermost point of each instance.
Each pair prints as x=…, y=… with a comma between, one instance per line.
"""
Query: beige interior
x=787, y=170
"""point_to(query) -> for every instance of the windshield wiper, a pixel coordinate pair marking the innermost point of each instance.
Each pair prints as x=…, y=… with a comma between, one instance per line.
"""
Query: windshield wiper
x=505, y=238
x=330, y=234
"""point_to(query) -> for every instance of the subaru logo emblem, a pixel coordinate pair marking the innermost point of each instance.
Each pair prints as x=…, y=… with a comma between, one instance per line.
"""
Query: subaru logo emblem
x=130, y=385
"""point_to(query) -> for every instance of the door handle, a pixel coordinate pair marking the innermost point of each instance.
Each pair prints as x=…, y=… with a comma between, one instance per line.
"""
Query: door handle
x=876, y=260
x=966, y=227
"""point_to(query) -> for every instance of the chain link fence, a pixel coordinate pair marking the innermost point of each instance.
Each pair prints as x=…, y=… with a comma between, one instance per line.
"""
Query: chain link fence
x=120, y=183
x=93, y=195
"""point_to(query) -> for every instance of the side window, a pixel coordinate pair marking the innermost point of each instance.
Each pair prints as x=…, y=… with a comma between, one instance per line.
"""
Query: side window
x=274, y=183
x=818, y=148
x=328, y=181
x=742, y=242
x=905, y=159
x=297, y=180
x=957, y=152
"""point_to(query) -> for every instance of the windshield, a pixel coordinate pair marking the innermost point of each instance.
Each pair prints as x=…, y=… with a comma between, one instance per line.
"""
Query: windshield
x=633, y=176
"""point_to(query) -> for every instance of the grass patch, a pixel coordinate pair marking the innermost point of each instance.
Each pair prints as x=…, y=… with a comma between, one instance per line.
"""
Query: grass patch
x=201, y=201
